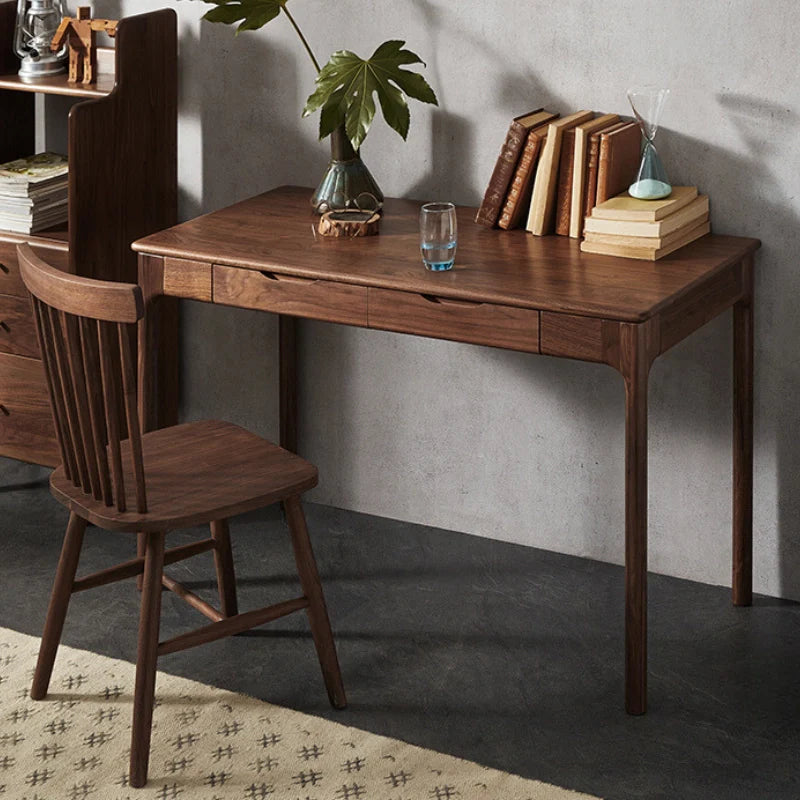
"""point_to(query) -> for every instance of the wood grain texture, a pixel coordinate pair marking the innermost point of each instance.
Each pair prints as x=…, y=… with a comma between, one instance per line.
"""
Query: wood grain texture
x=59, y=603
x=26, y=422
x=271, y=232
x=130, y=139
x=189, y=279
x=700, y=305
x=10, y=278
x=743, y=441
x=317, y=609
x=144, y=690
x=584, y=338
x=300, y=297
x=123, y=170
x=17, y=329
x=188, y=469
x=83, y=297
x=459, y=320
x=157, y=339
x=637, y=351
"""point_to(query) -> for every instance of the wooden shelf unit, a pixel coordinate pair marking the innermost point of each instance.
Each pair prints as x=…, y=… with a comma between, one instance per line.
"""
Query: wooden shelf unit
x=122, y=134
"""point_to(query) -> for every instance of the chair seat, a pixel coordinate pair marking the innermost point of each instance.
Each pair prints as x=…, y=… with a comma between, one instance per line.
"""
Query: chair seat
x=196, y=473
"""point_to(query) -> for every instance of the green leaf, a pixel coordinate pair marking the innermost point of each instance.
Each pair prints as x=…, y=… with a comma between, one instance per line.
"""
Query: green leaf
x=347, y=85
x=253, y=14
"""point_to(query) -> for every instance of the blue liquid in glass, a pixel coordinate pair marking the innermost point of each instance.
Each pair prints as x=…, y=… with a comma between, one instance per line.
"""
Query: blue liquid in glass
x=438, y=256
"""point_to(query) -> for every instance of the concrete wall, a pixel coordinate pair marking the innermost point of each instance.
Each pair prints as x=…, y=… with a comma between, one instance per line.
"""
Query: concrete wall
x=522, y=448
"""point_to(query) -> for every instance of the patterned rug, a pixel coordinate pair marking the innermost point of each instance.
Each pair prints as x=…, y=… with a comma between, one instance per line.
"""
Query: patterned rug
x=208, y=744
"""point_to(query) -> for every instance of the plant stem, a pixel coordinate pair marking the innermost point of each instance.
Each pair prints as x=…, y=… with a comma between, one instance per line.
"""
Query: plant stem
x=302, y=38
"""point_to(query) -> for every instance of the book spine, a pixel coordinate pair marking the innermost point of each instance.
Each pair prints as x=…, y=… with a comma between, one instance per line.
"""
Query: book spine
x=591, y=174
x=521, y=184
x=502, y=174
x=564, y=190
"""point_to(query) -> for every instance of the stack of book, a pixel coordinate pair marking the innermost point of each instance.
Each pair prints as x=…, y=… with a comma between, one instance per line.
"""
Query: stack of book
x=646, y=229
x=33, y=193
x=553, y=170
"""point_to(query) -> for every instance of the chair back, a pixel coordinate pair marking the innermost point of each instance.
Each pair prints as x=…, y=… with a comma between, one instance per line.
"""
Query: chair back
x=86, y=332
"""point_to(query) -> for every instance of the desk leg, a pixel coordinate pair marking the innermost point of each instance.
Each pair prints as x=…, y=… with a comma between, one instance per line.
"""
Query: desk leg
x=743, y=443
x=287, y=347
x=157, y=399
x=635, y=368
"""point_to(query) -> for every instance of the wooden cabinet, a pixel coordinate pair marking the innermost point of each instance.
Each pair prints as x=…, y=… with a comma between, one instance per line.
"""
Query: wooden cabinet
x=122, y=148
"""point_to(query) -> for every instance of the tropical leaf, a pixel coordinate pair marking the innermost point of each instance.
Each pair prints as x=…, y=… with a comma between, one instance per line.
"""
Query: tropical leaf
x=251, y=14
x=347, y=85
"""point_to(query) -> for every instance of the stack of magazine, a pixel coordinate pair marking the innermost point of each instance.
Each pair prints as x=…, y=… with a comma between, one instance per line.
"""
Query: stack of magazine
x=33, y=193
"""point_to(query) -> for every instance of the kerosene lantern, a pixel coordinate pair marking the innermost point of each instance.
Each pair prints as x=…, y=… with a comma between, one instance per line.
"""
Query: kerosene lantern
x=37, y=22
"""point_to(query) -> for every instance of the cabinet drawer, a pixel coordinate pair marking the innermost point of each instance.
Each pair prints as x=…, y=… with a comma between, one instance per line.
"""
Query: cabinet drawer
x=26, y=423
x=300, y=297
x=10, y=279
x=460, y=320
x=17, y=328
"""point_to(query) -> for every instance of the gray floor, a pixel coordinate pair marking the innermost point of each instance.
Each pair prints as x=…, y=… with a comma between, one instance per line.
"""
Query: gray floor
x=504, y=655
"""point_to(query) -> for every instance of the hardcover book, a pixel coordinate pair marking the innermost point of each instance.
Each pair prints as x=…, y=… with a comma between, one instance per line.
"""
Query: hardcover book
x=564, y=187
x=620, y=152
x=503, y=172
x=583, y=134
x=519, y=193
x=693, y=213
x=625, y=207
x=592, y=163
x=647, y=252
x=542, y=212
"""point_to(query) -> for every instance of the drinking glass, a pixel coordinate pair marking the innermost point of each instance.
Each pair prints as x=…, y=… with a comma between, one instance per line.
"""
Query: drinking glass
x=437, y=236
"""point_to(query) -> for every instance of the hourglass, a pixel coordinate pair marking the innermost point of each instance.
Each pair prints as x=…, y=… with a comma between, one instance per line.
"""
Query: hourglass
x=651, y=181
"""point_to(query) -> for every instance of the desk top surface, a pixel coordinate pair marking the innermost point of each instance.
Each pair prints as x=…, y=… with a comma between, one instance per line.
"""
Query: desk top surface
x=275, y=232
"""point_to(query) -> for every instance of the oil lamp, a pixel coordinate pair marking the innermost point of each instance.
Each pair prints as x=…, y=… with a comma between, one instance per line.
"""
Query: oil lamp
x=37, y=22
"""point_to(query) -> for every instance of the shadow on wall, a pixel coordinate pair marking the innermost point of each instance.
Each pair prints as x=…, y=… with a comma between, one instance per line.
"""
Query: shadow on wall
x=747, y=198
x=453, y=136
x=758, y=190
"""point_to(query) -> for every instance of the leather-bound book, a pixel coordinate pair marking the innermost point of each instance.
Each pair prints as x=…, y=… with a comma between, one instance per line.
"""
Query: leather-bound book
x=519, y=193
x=592, y=164
x=541, y=217
x=503, y=172
x=620, y=152
x=564, y=188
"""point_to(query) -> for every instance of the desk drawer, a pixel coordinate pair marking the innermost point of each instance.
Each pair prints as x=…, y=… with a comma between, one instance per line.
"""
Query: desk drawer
x=298, y=297
x=26, y=423
x=17, y=328
x=459, y=320
x=10, y=279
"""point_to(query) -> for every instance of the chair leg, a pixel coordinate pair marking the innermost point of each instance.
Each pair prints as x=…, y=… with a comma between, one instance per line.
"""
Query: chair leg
x=149, y=622
x=141, y=546
x=223, y=560
x=59, y=603
x=317, y=610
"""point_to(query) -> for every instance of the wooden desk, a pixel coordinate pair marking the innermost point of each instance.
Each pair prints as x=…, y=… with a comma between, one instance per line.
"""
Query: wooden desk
x=510, y=290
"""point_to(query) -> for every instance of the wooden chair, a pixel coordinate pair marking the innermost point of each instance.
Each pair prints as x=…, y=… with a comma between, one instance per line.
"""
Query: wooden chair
x=120, y=480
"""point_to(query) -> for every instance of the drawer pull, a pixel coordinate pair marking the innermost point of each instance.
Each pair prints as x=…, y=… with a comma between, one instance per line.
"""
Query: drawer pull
x=4, y=410
x=4, y=268
x=271, y=276
x=446, y=301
